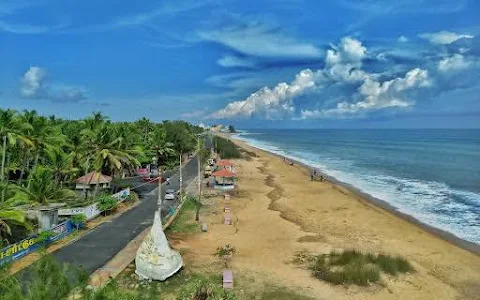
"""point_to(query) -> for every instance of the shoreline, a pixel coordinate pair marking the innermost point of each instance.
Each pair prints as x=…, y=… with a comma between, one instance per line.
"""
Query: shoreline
x=376, y=202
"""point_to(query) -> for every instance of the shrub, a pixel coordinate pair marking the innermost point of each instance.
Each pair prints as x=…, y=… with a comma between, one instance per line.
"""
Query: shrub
x=78, y=220
x=352, y=266
x=225, y=253
x=226, y=148
x=132, y=197
x=205, y=288
x=47, y=279
x=106, y=203
x=44, y=236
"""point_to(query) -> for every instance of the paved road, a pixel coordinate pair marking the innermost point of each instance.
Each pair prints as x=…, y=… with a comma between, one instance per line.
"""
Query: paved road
x=96, y=248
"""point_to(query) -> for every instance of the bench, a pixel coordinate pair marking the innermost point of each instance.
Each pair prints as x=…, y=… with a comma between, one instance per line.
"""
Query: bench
x=227, y=197
x=227, y=279
x=227, y=209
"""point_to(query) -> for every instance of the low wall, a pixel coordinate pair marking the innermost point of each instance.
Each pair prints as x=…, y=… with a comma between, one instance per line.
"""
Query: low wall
x=92, y=211
x=32, y=243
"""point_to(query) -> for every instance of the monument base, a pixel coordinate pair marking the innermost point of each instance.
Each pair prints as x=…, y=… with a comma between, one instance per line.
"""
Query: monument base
x=155, y=259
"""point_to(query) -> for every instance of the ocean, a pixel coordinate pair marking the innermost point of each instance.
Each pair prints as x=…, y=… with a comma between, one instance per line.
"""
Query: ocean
x=432, y=175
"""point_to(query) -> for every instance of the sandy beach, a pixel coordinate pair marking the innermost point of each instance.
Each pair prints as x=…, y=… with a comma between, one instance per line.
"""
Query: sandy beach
x=277, y=211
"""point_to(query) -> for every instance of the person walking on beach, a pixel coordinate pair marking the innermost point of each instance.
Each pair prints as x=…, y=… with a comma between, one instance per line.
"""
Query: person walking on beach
x=311, y=177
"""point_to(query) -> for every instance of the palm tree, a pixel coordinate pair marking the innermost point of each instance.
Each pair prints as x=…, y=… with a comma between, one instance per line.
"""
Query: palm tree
x=145, y=126
x=44, y=135
x=42, y=188
x=12, y=131
x=160, y=146
x=9, y=215
x=59, y=162
x=105, y=152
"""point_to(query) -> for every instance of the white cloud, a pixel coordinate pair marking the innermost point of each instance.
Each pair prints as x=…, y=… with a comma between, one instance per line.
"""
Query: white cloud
x=375, y=95
x=229, y=61
x=34, y=86
x=260, y=40
x=27, y=28
x=277, y=102
x=271, y=103
x=444, y=37
x=32, y=82
x=402, y=39
x=405, y=6
x=455, y=62
x=342, y=72
x=348, y=51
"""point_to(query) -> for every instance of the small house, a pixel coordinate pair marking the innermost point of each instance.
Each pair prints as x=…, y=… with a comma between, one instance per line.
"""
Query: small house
x=90, y=181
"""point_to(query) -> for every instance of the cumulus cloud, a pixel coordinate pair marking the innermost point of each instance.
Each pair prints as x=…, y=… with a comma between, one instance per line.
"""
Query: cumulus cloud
x=455, y=62
x=232, y=61
x=362, y=91
x=375, y=95
x=402, y=39
x=260, y=40
x=444, y=37
x=34, y=85
x=348, y=51
x=33, y=82
x=270, y=103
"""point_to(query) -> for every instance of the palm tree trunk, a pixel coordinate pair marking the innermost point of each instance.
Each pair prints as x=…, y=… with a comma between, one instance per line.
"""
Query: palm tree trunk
x=86, y=172
x=95, y=191
x=23, y=166
x=37, y=157
x=3, y=157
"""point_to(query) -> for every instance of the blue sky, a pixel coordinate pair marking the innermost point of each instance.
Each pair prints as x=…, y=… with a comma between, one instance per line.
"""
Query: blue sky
x=270, y=63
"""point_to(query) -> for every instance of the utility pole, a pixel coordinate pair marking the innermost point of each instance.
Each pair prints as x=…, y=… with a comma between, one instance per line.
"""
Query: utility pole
x=181, y=178
x=197, y=216
x=159, y=189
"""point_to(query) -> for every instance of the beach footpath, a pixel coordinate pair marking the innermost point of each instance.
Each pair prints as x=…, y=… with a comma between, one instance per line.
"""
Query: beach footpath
x=278, y=212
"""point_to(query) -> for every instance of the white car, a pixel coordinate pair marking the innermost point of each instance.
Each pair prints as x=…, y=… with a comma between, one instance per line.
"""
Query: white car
x=170, y=194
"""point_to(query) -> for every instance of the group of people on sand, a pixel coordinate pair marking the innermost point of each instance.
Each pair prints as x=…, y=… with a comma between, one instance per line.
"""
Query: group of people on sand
x=313, y=175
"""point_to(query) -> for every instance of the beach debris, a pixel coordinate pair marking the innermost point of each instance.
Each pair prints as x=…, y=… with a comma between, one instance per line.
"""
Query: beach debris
x=204, y=227
x=155, y=259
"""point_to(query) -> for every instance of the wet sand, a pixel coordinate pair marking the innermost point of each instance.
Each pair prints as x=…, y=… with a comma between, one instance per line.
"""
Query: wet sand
x=277, y=211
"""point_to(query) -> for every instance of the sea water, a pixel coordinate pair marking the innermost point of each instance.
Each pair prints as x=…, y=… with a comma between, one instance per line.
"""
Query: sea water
x=432, y=175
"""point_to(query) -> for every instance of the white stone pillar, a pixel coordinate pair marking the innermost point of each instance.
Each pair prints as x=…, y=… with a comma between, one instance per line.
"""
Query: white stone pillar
x=155, y=259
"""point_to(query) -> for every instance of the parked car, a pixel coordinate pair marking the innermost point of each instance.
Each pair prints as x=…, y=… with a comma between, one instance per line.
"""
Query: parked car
x=153, y=179
x=170, y=194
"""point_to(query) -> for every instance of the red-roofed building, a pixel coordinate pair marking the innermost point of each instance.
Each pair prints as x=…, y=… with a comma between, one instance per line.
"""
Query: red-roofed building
x=224, y=179
x=224, y=173
x=225, y=164
x=90, y=180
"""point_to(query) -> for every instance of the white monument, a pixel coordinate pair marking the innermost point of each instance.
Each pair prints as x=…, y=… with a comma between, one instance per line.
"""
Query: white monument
x=155, y=259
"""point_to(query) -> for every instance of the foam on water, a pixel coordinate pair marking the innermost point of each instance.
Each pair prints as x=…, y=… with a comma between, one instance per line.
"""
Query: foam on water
x=433, y=203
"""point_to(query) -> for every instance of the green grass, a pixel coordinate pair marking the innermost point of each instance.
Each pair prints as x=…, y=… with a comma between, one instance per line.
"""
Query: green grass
x=226, y=148
x=352, y=266
x=185, y=220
